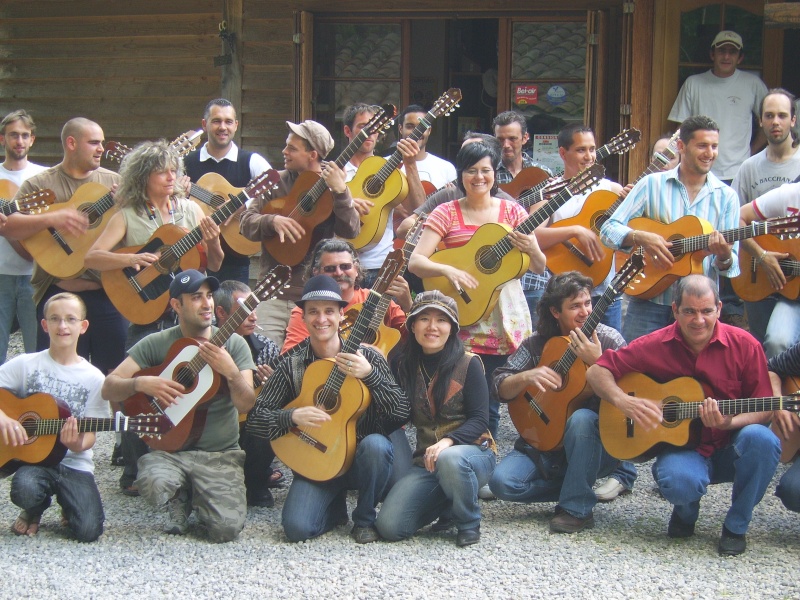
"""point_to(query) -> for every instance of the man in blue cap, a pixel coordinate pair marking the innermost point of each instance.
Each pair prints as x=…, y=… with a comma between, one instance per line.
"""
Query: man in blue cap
x=206, y=476
x=313, y=507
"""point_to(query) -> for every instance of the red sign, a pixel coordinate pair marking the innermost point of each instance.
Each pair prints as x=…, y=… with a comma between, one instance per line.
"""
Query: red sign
x=526, y=94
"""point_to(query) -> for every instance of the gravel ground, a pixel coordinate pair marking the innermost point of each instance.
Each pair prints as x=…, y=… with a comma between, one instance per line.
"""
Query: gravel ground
x=627, y=554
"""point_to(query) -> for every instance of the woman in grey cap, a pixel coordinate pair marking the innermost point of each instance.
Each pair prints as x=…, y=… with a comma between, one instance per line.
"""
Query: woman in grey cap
x=455, y=453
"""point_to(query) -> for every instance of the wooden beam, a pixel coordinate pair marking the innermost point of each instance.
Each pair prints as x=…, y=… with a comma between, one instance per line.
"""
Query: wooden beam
x=231, y=82
x=641, y=86
x=782, y=15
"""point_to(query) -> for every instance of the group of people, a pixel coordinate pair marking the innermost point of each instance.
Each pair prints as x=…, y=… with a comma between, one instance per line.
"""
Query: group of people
x=445, y=378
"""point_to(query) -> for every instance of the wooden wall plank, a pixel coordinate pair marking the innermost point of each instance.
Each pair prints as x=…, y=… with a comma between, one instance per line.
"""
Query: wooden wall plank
x=20, y=9
x=102, y=67
x=105, y=26
x=111, y=48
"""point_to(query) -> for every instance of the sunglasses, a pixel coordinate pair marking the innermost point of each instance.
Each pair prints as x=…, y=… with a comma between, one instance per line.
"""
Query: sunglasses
x=342, y=267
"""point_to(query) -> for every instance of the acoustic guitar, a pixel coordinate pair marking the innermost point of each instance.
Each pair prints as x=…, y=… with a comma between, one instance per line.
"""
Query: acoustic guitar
x=570, y=255
x=379, y=334
x=689, y=236
x=681, y=426
x=531, y=177
x=29, y=204
x=323, y=453
x=790, y=446
x=541, y=417
x=379, y=179
x=541, y=192
x=753, y=284
x=493, y=260
x=310, y=202
x=184, y=365
x=60, y=253
x=42, y=416
x=141, y=296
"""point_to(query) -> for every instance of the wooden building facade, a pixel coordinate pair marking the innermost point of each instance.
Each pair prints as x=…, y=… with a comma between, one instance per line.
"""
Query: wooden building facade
x=146, y=69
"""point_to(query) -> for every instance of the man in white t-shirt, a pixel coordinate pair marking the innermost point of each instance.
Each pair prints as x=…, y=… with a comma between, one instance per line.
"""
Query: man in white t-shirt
x=431, y=168
x=17, y=134
x=777, y=164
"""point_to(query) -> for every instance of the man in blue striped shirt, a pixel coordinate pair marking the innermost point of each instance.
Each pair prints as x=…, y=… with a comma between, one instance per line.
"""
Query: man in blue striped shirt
x=689, y=189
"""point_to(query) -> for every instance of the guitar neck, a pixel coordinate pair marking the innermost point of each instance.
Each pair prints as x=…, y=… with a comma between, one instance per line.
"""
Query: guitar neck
x=54, y=426
x=533, y=195
x=656, y=165
x=396, y=158
x=700, y=242
x=677, y=411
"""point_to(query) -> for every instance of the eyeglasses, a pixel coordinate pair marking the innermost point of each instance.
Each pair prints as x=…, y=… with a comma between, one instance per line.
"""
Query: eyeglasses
x=474, y=172
x=692, y=312
x=333, y=268
x=56, y=321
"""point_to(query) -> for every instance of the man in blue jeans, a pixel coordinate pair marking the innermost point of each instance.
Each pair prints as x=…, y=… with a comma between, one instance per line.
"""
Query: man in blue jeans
x=737, y=448
x=567, y=475
x=315, y=507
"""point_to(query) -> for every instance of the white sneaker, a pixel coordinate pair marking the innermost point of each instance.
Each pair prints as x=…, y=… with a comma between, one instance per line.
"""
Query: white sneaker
x=486, y=494
x=609, y=490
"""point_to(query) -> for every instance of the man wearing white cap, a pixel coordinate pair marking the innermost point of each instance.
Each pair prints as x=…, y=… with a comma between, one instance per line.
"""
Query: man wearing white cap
x=307, y=144
x=730, y=97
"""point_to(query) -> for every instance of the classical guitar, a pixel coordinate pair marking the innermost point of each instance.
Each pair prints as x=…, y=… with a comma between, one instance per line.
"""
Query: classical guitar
x=541, y=417
x=141, y=295
x=184, y=365
x=322, y=453
x=531, y=177
x=379, y=334
x=60, y=253
x=378, y=179
x=570, y=255
x=541, y=192
x=753, y=284
x=42, y=416
x=310, y=202
x=183, y=144
x=491, y=258
x=689, y=236
x=680, y=400
x=29, y=204
x=790, y=446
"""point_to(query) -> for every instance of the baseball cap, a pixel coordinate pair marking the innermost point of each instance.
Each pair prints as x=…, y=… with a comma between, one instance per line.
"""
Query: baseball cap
x=439, y=301
x=315, y=134
x=189, y=281
x=727, y=37
x=321, y=287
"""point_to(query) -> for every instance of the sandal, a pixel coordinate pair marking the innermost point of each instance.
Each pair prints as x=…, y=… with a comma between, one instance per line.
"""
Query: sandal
x=26, y=525
x=275, y=479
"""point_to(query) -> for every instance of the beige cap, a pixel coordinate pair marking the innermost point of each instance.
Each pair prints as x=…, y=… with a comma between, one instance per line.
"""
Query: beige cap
x=315, y=134
x=727, y=37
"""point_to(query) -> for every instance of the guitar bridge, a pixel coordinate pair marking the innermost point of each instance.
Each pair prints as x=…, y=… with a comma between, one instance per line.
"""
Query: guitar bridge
x=537, y=409
x=577, y=252
x=309, y=440
x=60, y=240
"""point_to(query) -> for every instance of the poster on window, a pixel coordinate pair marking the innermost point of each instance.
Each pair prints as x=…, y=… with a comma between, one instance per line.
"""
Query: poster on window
x=545, y=151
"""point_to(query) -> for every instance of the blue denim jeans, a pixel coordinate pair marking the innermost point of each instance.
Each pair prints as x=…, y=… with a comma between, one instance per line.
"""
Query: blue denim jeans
x=788, y=489
x=16, y=299
x=313, y=508
x=420, y=497
x=749, y=462
x=490, y=363
x=783, y=330
x=644, y=317
x=758, y=314
x=613, y=316
x=533, y=297
x=234, y=272
x=76, y=493
x=571, y=472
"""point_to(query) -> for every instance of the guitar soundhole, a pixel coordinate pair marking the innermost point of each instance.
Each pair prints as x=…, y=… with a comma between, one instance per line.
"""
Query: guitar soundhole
x=91, y=213
x=28, y=421
x=670, y=408
x=370, y=186
x=184, y=376
x=370, y=337
x=326, y=400
x=487, y=262
x=167, y=262
x=674, y=239
x=564, y=378
x=597, y=221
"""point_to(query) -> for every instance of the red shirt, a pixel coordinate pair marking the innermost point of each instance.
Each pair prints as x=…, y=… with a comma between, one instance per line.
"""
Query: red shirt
x=296, y=331
x=732, y=365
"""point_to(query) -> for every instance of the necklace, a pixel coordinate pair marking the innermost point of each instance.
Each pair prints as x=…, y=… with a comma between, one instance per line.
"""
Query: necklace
x=427, y=376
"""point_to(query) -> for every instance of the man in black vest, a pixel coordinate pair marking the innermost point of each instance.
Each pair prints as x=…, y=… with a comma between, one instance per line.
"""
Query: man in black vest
x=221, y=155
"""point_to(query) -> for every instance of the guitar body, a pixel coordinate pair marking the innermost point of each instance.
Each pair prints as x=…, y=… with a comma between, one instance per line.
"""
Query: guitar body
x=625, y=440
x=525, y=180
x=143, y=296
x=7, y=189
x=45, y=450
x=66, y=261
x=544, y=428
x=323, y=453
x=219, y=186
x=790, y=447
x=656, y=279
x=384, y=339
x=753, y=284
x=572, y=256
x=393, y=191
x=189, y=415
x=290, y=206
x=481, y=300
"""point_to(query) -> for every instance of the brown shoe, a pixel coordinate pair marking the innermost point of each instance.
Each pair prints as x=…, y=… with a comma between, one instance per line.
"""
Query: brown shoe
x=563, y=522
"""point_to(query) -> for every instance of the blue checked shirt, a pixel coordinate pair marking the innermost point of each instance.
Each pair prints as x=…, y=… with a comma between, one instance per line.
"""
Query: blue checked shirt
x=503, y=175
x=662, y=197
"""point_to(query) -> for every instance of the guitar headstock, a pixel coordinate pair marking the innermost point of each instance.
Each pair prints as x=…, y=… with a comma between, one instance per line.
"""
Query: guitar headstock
x=35, y=202
x=149, y=424
x=623, y=141
x=277, y=279
x=413, y=235
x=263, y=183
x=382, y=120
x=671, y=151
x=186, y=142
x=784, y=225
x=586, y=179
x=390, y=269
x=116, y=151
x=632, y=267
x=446, y=103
